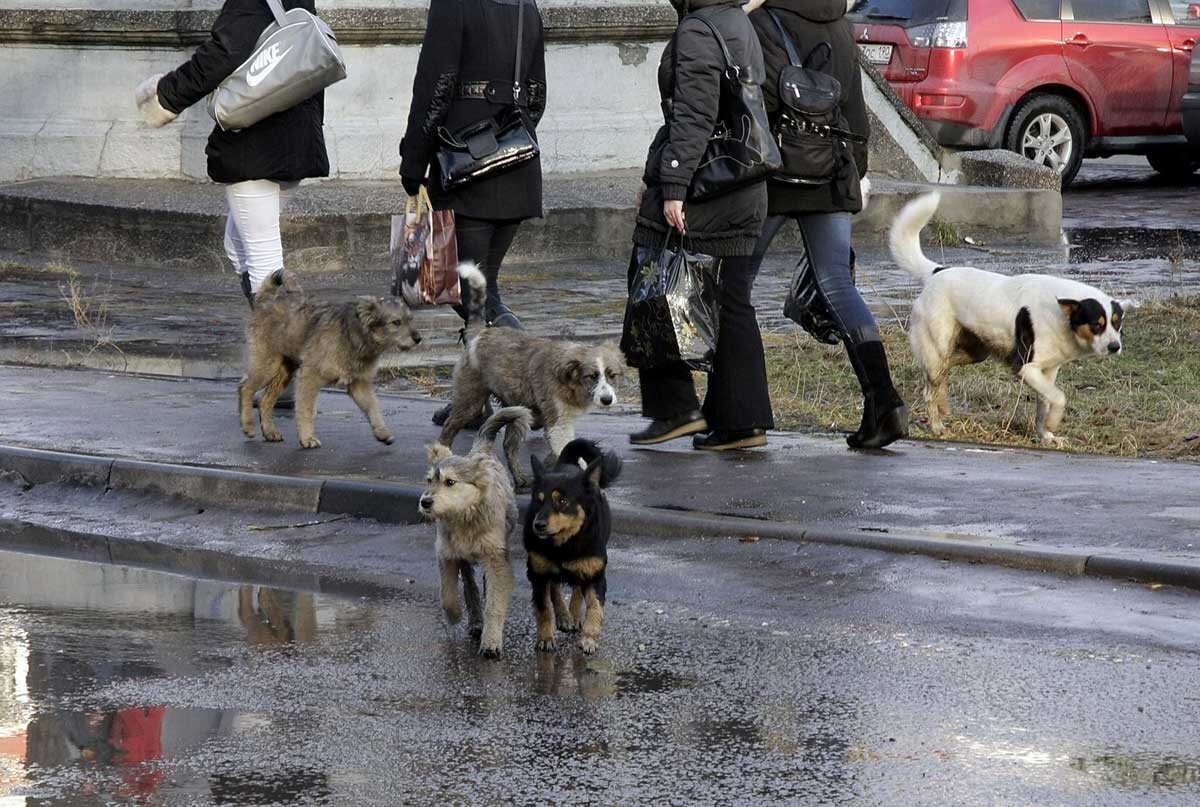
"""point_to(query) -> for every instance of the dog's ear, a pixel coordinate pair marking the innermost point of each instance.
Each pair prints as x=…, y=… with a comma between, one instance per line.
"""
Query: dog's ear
x=539, y=470
x=614, y=359
x=1069, y=307
x=570, y=371
x=437, y=452
x=594, y=473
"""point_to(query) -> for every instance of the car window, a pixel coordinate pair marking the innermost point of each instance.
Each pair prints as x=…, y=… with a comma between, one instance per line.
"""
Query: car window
x=908, y=13
x=1111, y=10
x=1039, y=9
x=1187, y=12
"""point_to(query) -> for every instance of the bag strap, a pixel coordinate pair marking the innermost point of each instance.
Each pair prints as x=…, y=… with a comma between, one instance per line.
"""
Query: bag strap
x=277, y=11
x=517, y=60
x=720, y=39
x=812, y=54
x=788, y=45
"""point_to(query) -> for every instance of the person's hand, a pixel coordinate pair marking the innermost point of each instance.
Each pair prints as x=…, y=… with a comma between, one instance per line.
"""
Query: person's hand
x=752, y=5
x=411, y=186
x=673, y=212
x=146, y=97
x=864, y=185
x=637, y=199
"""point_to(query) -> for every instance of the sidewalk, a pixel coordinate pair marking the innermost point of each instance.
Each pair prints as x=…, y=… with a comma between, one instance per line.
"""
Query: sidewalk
x=1064, y=509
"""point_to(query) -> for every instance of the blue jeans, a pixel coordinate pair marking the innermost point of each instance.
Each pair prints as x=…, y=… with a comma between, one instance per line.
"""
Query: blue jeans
x=826, y=238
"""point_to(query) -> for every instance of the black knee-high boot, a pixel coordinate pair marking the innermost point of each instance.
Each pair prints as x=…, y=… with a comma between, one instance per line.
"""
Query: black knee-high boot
x=885, y=415
x=496, y=311
x=246, y=289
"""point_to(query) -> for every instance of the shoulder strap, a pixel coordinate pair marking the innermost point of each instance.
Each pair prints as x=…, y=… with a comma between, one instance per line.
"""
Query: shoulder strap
x=818, y=49
x=788, y=45
x=717, y=34
x=520, y=43
x=277, y=10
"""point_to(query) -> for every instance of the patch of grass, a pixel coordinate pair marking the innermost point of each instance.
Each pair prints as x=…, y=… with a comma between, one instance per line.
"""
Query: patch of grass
x=1143, y=403
x=942, y=233
x=89, y=314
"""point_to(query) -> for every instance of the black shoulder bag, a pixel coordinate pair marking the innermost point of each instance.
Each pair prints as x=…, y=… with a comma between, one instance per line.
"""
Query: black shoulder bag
x=493, y=145
x=741, y=150
x=807, y=125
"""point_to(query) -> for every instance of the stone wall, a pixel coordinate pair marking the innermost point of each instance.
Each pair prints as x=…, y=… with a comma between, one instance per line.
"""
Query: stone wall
x=69, y=68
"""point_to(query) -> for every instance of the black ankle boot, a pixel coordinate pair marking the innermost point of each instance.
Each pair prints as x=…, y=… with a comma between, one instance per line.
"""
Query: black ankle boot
x=885, y=415
x=246, y=289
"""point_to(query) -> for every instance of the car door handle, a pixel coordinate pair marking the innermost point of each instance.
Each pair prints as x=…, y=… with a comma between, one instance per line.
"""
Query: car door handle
x=1079, y=41
x=1187, y=45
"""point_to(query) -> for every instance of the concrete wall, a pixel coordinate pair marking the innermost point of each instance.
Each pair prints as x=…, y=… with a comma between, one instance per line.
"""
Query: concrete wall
x=69, y=68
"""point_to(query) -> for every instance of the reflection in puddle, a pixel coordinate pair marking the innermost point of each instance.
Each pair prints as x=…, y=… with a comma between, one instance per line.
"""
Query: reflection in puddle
x=1139, y=770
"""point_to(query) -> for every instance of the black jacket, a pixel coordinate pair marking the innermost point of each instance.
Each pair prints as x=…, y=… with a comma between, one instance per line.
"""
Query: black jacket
x=286, y=147
x=690, y=76
x=468, y=41
x=809, y=23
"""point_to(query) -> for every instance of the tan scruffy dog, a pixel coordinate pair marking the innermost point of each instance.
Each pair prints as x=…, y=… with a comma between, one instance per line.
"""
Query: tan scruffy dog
x=472, y=500
x=322, y=343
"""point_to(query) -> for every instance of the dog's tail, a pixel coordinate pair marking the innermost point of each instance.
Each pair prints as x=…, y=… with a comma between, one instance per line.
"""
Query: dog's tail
x=905, y=236
x=514, y=420
x=474, y=287
x=587, y=452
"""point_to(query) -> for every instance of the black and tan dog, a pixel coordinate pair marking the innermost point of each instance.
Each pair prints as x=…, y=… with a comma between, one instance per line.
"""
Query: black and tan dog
x=566, y=537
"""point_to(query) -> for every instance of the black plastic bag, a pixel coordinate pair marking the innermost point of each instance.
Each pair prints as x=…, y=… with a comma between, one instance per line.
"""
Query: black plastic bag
x=672, y=313
x=806, y=306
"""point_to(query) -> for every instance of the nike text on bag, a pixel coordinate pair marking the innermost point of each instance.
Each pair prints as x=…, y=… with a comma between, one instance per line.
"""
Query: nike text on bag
x=296, y=57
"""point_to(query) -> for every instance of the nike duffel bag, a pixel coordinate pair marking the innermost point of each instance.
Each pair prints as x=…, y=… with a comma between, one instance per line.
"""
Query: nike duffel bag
x=296, y=57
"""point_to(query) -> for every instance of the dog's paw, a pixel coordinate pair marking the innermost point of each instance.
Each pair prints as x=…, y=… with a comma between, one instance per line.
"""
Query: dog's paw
x=476, y=632
x=274, y=436
x=250, y=432
x=384, y=436
x=588, y=645
x=1053, y=441
x=454, y=616
x=568, y=625
x=522, y=484
x=546, y=646
x=310, y=442
x=490, y=650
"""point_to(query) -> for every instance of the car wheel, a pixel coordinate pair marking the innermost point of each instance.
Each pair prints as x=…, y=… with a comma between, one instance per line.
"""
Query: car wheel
x=1049, y=130
x=1176, y=163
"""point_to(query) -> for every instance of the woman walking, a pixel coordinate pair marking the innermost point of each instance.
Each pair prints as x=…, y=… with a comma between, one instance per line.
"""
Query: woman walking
x=465, y=76
x=258, y=164
x=819, y=28
x=737, y=408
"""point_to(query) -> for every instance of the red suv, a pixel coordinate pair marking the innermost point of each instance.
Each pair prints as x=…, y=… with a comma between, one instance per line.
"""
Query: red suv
x=1055, y=80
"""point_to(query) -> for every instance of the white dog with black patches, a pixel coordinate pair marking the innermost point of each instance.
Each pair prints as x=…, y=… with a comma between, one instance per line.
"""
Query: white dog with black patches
x=1034, y=323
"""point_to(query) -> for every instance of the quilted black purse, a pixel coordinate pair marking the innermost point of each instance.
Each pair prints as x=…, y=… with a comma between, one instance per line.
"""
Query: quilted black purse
x=741, y=150
x=493, y=145
x=807, y=127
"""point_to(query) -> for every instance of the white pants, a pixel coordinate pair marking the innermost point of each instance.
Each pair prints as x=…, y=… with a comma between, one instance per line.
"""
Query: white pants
x=252, y=239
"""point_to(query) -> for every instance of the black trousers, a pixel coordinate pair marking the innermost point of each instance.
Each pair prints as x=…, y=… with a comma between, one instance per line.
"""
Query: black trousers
x=485, y=242
x=737, y=396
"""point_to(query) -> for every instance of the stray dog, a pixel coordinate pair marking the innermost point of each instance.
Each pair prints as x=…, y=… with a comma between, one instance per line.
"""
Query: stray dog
x=322, y=343
x=566, y=536
x=558, y=381
x=1033, y=323
x=472, y=500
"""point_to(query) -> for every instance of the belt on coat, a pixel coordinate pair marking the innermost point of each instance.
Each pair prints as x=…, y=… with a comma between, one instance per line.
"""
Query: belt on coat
x=532, y=93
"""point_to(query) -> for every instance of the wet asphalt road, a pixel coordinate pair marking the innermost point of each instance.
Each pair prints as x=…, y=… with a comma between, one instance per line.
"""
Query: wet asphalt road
x=729, y=674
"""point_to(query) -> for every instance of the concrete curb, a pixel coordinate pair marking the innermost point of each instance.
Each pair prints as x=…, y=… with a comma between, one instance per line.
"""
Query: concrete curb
x=390, y=502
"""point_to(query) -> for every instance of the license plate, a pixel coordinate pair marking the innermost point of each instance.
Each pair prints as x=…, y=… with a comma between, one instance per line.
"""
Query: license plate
x=877, y=54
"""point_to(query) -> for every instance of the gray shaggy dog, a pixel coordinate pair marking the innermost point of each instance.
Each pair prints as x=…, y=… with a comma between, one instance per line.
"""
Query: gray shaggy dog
x=472, y=501
x=321, y=343
x=559, y=381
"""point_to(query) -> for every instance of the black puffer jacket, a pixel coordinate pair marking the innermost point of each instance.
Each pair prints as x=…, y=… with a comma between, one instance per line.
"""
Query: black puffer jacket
x=690, y=75
x=470, y=41
x=809, y=23
x=286, y=147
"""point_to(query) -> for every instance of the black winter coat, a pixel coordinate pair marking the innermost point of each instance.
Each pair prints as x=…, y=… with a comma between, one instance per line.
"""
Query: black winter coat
x=809, y=23
x=468, y=41
x=690, y=77
x=286, y=147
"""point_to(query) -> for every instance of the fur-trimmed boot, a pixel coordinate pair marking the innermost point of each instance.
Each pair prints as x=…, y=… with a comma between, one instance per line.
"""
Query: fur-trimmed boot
x=885, y=415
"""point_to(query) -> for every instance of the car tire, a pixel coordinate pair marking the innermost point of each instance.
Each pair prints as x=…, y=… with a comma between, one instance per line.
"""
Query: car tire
x=1049, y=130
x=1175, y=163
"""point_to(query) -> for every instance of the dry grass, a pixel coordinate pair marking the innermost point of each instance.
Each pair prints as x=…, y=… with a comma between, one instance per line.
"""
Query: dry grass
x=1145, y=403
x=89, y=313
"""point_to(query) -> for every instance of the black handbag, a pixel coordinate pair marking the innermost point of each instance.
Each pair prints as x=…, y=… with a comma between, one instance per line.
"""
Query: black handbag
x=741, y=150
x=806, y=128
x=492, y=145
x=806, y=306
x=672, y=313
